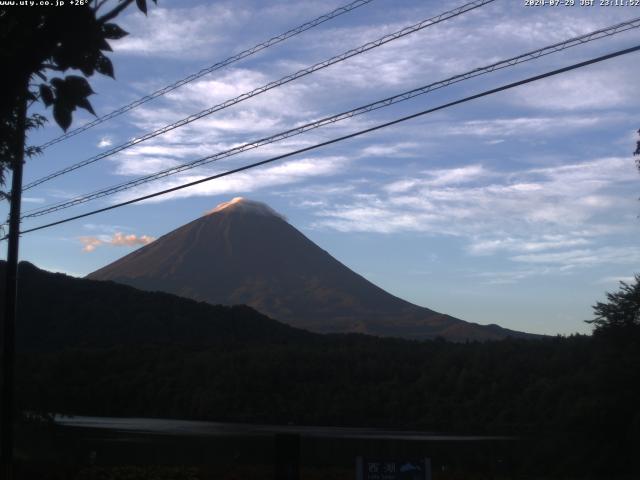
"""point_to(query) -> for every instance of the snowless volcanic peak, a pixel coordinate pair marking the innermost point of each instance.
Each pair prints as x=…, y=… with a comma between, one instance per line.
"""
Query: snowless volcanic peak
x=243, y=252
x=241, y=204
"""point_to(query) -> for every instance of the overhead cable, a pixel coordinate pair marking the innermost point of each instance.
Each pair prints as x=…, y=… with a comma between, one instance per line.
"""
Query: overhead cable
x=216, y=66
x=525, y=57
x=269, y=86
x=342, y=138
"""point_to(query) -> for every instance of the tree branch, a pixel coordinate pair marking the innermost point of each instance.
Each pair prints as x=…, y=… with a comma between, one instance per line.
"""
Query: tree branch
x=99, y=4
x=115, y=12
x=51, y=66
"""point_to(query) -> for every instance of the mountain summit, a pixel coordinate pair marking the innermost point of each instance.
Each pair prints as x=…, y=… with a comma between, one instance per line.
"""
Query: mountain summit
x=243, y=252
x=242, y=205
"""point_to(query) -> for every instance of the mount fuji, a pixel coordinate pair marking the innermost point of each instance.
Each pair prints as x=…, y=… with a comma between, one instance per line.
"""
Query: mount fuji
x=243, y=252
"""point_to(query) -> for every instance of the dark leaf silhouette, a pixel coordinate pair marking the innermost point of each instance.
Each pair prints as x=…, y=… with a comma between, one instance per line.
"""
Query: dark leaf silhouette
x=104, y=45
x=70, y=93
x=142, y=5
x=88, y=64
x=35, y=121
x=46, y=94
x=38, y=41
x=62, y=115
x=84, y=103
x=77, y=87
x=113, y=31
x=57, y=83
x=104, y=66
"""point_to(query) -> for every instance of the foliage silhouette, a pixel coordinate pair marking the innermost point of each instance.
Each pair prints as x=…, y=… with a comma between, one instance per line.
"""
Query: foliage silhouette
x=622, y=311
x=39, y=41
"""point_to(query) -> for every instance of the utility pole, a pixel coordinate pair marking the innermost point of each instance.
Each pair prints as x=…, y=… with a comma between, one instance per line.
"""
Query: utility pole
x=11, y=296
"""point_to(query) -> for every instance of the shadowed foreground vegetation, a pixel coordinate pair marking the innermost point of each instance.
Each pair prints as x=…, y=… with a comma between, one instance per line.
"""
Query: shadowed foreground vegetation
x=97, y=348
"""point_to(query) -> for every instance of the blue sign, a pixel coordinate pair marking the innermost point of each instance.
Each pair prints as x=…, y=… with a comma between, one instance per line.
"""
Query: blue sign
x=376, y=469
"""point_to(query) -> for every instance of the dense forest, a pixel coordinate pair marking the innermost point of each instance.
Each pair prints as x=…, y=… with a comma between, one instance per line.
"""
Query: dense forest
x=99, y=348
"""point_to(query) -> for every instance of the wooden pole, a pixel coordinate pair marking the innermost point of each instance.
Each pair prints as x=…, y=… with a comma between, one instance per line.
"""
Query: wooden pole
x=10, y=300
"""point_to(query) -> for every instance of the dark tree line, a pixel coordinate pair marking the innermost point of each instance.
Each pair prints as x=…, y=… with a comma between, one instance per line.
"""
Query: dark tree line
x=99, y=348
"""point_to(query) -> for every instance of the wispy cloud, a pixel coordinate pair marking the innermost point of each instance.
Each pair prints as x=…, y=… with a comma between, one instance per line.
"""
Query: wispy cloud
x=473, y=199
x=400, y=149
x=33, y=199
x=286, y=173
x=105, y=142
x=178, y=32
x=118, y=239
x=616, y=279
x=512, y=276
x=527, y=244
x=105, y=228
x=605, y=88
x=552, y=217
x=517, y=126
x=584, y=257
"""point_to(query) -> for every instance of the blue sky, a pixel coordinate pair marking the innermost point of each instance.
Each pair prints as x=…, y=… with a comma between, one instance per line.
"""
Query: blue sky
x=518, y=209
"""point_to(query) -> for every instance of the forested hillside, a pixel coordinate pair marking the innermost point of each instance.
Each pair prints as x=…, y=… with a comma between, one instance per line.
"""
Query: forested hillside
x=105, y=349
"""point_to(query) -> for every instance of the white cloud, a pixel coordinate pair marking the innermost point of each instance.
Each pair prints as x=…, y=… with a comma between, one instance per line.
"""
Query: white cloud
x=470, y=41
x=118, y=239
x=396, y=64
x=519, y=126
x=178, y=32
x=606, y=88
x=372, y=217
x=390, y=149
x=33, y=199
x=617, y=279
x=584, y=257
x=454, y=176
x=436, y=178
x=287, y=100
x=554, y=217
x=311, y=203
x=89, y=244
x=162, y=154
x=286, y=173
x=526, y=244
x=105, y=142
x=425, y=56
x=101, y=227
x=142, y=164
x=514, y=276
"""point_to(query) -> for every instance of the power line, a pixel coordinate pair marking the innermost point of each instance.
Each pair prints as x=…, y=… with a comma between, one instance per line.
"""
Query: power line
x=532, y=55
x=269, y=86
x=344, y=137
x=216, y=66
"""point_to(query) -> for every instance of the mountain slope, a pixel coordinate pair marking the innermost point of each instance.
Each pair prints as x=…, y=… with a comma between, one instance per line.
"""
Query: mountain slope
x=243, y=252
x=59, y=312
